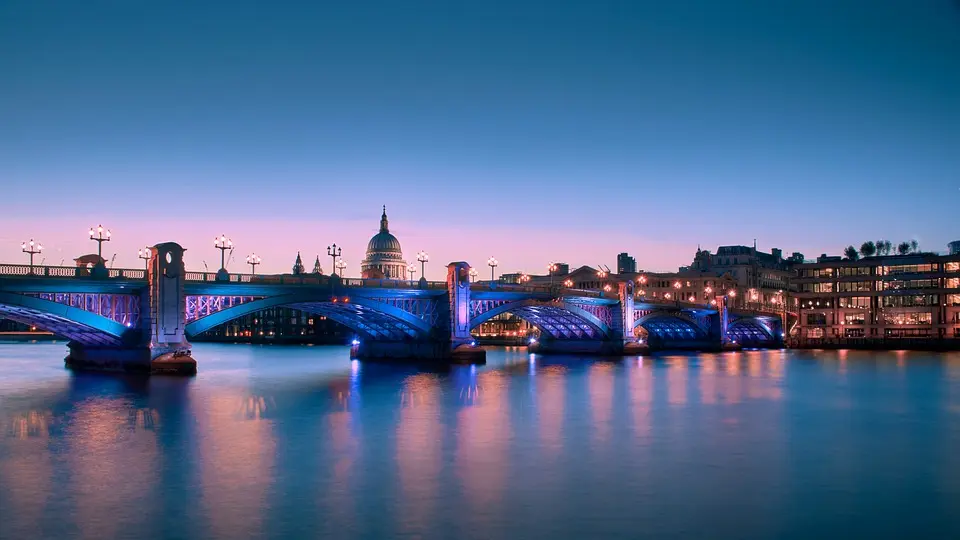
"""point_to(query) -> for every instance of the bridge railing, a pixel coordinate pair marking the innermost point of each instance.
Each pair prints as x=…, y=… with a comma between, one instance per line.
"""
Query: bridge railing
x=26, y=270
x=556, y=290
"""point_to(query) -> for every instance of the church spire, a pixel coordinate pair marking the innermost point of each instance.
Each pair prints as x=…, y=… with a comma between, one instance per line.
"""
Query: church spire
x=298, y=265
x=383, y=221
x=316, y=266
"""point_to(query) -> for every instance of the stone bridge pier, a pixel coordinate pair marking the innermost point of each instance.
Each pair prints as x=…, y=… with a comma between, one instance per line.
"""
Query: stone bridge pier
x=158, y=344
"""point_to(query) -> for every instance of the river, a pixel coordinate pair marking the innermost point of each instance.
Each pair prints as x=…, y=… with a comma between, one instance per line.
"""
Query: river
x=301, y=442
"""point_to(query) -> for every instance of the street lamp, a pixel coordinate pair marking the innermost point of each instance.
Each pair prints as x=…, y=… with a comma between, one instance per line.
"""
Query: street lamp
x=31, y=248
x=423, y=258
x=253, y=260
x=100, y=236
x=411, y=269
x=334, y=251
x=524, y=278
x=341, y=265
x=551, y=268
x=473, y=274
x=492, y=263
x=145, y=255
x=568, y=283
x=223, y=244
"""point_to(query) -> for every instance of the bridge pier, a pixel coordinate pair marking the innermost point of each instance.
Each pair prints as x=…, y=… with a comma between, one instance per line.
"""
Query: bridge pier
x=159, y=344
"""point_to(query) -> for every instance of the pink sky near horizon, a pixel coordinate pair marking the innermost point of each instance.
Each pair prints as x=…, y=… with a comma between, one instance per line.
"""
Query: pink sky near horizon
x=528, y=249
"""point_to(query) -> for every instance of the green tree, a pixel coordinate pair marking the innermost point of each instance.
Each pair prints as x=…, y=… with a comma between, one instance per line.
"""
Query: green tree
x=868, y=248
x=903, y=248
x=851, y=253
x=914, y=246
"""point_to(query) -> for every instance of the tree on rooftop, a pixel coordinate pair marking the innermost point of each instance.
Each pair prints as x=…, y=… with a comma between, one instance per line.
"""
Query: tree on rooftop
x=868, y=248
x=851, y=253
x=903, y=248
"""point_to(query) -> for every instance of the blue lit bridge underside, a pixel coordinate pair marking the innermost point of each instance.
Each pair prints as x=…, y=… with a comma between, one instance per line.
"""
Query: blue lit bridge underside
x=156, y=315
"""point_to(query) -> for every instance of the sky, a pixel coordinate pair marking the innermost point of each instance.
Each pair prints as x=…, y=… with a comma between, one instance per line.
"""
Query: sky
x=529, y=131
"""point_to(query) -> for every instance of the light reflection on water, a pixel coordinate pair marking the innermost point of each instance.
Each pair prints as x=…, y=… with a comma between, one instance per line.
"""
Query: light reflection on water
x=272, y=442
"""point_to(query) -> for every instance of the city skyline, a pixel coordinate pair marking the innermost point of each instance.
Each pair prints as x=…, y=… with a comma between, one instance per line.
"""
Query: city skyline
x=573, y=133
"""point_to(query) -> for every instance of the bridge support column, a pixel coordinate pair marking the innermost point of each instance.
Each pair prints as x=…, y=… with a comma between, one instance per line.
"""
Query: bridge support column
x=159, y=345
x=461, y=343
x=627, y=319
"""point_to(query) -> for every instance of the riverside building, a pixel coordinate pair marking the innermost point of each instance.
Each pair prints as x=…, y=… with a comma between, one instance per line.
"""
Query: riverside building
x=911, y=300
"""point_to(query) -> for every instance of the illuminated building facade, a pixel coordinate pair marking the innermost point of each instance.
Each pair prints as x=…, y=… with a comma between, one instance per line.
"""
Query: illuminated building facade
x=882, y=298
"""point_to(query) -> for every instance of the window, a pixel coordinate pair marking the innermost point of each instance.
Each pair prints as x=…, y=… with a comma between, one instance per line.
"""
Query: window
x=902, y=284
x=855, y=271
x=908, y=318
x=911, y=300
x=907, y=269
x=816, y=319
x=907, y=332
x=814, y=332
x=952, y=283
x=862, y=302
x=818, y=272
x=952, y=266
x=854, y=318
x=853, y=286
x=817, y=287
x=956, y=332
x=853, y=332
x=953, y=300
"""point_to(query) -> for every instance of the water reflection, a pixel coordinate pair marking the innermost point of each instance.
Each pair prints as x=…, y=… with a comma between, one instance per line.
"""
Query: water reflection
x=291, y=442
x=419, y=453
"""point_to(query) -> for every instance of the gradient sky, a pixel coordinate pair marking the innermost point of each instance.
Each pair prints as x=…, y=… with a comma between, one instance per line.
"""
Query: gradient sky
x=533, y=131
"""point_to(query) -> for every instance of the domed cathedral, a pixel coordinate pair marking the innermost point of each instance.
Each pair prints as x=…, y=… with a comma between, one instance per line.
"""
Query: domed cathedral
x=384, y=256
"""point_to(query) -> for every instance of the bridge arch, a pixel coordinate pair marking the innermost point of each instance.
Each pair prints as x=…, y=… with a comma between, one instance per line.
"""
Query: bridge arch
x=73, y=323
x=750, y=330
x=559, y=320
x=671, y=325
x=370, y=318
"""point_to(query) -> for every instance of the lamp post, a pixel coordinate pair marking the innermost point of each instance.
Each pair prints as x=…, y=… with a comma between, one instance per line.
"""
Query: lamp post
x=223, y=244
x=423, y=258
x=334, y=251
x=144, y=254
x=100, y=236
x=524, y=278
x=253, y=260
x=676, y=285
x=412, y=270
x=551, y=268
x=31, y=248
x=492, y=263
x=341, y=266
x=473, y=274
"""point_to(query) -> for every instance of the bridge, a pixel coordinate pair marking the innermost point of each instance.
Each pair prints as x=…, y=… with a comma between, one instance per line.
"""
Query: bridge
x=143, y=320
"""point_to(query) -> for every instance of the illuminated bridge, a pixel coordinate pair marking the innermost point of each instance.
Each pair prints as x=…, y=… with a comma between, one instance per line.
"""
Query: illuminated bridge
x=144, y=319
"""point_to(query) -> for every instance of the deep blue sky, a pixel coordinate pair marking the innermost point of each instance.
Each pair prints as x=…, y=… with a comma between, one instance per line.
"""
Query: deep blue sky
x=530, y=130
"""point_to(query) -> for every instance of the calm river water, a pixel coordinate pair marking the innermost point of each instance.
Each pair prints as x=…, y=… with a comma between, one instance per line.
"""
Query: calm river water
x=300, y=442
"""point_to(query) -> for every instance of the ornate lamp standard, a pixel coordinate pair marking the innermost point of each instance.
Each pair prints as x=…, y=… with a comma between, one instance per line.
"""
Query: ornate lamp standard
x=253, y=260
x=492, y=263
x=334, y=251
x=144, y=254
x=223, y=244
x=341, y=266
x=412, y=270
x=100, y=236
x=524, y=278
x=473, y=274
x=31, y=248
x=676, y=285
x=551, y=268
x=423, y=258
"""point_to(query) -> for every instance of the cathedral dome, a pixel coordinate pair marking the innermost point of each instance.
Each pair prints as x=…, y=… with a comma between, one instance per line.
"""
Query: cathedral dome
x=384, y=254
x=384, y=242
